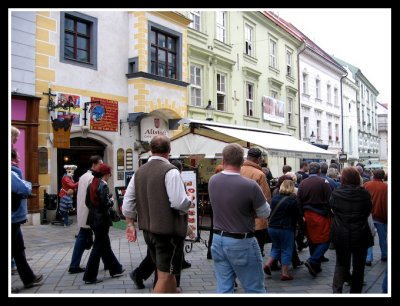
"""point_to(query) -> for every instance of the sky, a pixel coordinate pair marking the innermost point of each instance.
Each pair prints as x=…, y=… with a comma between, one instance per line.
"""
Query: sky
x=361, y=37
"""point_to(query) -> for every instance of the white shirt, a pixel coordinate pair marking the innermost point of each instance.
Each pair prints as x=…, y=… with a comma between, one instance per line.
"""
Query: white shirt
x=175, y=189
x=82, y=211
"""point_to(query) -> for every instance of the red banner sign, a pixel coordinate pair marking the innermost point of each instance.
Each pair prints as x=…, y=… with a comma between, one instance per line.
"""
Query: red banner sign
x=104, y=115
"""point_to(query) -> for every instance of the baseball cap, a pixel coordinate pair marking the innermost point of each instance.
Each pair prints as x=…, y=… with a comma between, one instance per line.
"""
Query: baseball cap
x=254, y=152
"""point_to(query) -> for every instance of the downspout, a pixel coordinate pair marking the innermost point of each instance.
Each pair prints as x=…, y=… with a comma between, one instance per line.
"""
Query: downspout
x=341, y=102
x=298, y=80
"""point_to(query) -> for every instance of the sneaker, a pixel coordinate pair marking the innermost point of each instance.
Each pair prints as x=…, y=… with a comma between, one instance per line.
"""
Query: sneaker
x=186, y=264
x=310, y=268
x=136, y=280
x=36, y=281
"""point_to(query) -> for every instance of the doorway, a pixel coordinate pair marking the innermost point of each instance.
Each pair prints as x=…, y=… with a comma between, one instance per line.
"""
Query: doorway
x=78, y=154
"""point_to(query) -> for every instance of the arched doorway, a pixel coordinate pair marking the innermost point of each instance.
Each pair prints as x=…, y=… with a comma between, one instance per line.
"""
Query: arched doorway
x=78, y=154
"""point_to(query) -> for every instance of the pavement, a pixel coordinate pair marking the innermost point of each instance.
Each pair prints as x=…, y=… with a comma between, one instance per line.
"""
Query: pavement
x=49, y=250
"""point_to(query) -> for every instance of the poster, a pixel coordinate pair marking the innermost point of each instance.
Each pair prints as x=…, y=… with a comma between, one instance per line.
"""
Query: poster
x=190, y=180
x=273, y=109
x=104, y=115
x=67, y=105
x=119, y=195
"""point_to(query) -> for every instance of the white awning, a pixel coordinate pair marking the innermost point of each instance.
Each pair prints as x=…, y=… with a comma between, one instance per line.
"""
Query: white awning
x=282, y=145
x=191, y=145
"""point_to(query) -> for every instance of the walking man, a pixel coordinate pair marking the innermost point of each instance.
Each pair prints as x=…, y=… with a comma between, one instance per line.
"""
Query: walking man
x=157, y=197
x=235, y=201
x=85, y=233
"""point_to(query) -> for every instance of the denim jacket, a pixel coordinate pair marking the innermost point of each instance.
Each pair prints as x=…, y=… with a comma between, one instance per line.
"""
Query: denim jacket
x=23, y=189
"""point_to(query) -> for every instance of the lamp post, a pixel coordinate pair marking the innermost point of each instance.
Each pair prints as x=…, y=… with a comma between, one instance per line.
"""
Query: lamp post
x=209, y=111
x=312, y=137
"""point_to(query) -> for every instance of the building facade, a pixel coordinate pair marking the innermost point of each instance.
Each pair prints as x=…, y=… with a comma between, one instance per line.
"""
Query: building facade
x=244, y=66
x=120, y=75
x=382, y=112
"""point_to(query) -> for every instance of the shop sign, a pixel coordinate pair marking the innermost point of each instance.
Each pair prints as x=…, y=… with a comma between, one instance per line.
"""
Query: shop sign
x=104, y=116
x=342, y=158
x=152, y=126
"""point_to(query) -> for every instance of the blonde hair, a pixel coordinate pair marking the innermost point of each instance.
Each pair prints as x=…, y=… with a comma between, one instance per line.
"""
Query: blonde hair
x=292, y=175
x=14, y=134
x=287, y=187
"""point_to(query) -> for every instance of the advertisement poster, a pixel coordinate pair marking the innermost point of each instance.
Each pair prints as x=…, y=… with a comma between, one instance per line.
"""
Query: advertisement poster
x=190, y=180
x=67, y=105
x=151, y=126
x=273, y=109
x=104, y=115
x=119, y=195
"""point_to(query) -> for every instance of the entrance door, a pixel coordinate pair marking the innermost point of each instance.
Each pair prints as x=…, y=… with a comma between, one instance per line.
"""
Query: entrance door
x=78, y=154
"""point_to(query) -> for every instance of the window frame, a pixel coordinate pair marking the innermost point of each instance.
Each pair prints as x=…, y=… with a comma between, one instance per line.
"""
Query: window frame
x=317, y=88
x=306, y=122
x=178, y=47
x=336, y=96
x=305, y=83
x=93, y=43
x=272, y=55
x=250, y=100
x=221, y=28
x=328, y=93
x=195, y=85
x=290, y=110
x=289, y=60
x=221, y=93
x=249, y=40
x=193, y=15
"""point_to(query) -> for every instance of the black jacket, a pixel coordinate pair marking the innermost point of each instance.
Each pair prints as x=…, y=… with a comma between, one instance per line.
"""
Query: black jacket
x=351, y=206
x=287, y=213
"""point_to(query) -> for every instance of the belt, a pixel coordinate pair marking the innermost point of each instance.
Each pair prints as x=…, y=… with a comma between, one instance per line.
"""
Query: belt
x=233, y=235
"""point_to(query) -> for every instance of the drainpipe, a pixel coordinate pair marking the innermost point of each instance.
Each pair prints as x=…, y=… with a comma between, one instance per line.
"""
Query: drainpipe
x=298, y=80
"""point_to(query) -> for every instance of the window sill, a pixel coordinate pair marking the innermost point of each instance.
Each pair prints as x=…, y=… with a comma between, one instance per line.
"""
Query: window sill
x=251, y=118
x=318, y=100
x=220, y=45
x=250, y=59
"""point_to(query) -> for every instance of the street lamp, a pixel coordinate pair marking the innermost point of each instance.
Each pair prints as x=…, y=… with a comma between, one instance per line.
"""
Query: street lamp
x=312, y=137
x=209, y=111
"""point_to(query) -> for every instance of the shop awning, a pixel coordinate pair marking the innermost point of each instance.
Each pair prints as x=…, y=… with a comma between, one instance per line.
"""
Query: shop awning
x=274, y=142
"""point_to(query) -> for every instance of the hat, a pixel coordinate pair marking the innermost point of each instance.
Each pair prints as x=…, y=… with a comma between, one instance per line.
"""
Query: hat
x=104, y=169
x=70, y=167
x=254, y=152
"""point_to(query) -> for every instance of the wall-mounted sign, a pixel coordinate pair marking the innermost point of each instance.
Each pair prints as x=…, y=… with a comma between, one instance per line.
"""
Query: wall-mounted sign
x=342, y=158
x=69, y=104
x=104, y=116
x=152, y=126
x=273, y=109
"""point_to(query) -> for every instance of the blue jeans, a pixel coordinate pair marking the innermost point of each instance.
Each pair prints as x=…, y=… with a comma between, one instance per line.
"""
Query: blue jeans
x=370, y=254
x=381, y=228
x=317, y=251
x=384, y=282
x=64, y=214
x=282, y=244
x=237, y=258
x=79, y=247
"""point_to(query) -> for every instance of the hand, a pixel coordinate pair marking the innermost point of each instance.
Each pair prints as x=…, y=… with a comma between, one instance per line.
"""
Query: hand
x=131, y=233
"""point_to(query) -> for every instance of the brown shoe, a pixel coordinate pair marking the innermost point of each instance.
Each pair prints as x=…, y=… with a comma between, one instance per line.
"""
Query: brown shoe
x=267, y=270
x=286, y=277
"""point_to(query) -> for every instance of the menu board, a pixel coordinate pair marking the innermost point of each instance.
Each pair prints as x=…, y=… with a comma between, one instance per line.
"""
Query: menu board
x=190, y=179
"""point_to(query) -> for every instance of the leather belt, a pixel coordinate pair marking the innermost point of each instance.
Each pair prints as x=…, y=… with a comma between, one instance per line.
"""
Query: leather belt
x=233, y=235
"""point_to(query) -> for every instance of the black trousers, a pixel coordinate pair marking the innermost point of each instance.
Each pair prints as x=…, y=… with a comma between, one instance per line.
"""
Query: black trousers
x=18, y=253
x=344, y=259
x=101, y=249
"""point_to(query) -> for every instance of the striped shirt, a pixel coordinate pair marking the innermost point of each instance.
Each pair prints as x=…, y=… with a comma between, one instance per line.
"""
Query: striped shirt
x=65, y=203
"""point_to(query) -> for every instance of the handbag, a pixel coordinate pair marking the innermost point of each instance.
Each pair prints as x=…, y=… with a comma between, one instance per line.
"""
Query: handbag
x=114, y=215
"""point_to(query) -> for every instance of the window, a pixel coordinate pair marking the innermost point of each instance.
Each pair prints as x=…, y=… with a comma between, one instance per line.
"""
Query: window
x=305, y=127
x=163, y=54
x=195, y=16
x=249, y=99
x=195, y=86
x=221, y=26
x=274, y=94
x=318, y=129
x=330, y=130
x=288, y=62
x=328, y=94
x=305, y=83
x=336, y=96
x=350, y=141
x=290, y=111
x=272, y=53
x=78, y=44
x=337, y=131
x=248, y=40
x=221, y=92
x=317, y=89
